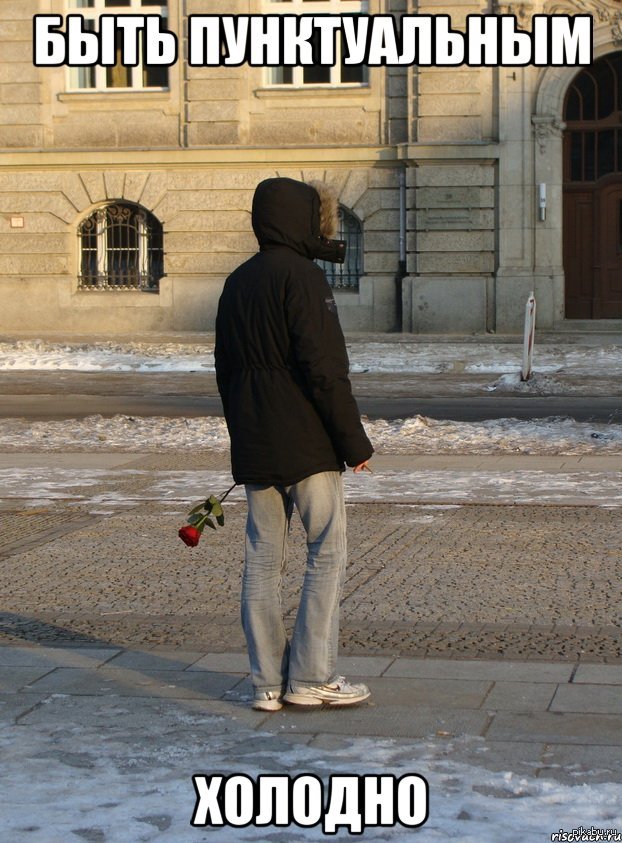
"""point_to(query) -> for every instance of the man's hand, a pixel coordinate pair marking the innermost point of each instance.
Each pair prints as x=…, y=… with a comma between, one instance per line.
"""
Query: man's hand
x=362, y=466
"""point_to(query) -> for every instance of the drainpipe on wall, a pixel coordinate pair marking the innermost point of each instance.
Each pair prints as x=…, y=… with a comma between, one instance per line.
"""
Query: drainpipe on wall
x=401, y=269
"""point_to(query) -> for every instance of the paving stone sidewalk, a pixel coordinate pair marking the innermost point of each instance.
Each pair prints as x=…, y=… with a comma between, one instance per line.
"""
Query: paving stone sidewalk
x=88, y=551
x=534, y=718
x=488, y=632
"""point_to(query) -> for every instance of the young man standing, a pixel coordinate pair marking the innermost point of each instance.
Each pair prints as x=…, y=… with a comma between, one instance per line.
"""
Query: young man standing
x=282, y=372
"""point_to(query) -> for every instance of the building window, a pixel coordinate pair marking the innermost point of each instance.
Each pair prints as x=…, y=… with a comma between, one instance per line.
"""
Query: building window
x=345, y=276
x=592, y=115
x=118, y=77
x=340, y=74
x=120, y=249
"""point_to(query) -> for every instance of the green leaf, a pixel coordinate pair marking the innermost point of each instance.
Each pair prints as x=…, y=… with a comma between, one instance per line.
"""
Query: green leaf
x=198, y=515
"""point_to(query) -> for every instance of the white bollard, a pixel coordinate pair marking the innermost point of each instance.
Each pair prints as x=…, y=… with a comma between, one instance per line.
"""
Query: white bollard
x=530, y=331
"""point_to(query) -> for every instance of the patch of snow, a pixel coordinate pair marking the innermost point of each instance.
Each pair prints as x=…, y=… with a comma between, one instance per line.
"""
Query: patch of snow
x=551, y=436
x=415, y=435
x=537, y=384
x=39, y=355
x=112, y=491
x=371, y=356
x=77, y=780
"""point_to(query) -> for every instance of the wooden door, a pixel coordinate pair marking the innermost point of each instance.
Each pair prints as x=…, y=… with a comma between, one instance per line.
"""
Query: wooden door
x=579, y=253
x=608, y=271
x=592, y=196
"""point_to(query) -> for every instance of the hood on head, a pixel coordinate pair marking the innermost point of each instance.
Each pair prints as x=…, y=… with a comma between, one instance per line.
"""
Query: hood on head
x=302, y=216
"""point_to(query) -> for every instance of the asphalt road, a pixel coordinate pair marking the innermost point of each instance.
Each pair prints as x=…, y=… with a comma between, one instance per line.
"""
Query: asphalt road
x=51, y=406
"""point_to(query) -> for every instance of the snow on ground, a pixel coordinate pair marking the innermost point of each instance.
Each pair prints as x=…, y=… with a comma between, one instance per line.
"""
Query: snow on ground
x=373, y=356
x=38, y=355
x=108, y=491
x=73, y=777
x=416, y=435
x=413, y=435
x=555, y=435
x=539, y=384
x=481, y=358
x=100, y=780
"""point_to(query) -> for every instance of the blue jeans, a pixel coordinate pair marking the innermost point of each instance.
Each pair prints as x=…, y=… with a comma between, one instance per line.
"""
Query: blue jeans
x=311, y=658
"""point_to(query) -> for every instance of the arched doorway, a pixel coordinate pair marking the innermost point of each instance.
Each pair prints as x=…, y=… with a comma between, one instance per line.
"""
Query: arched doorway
x=593, y=191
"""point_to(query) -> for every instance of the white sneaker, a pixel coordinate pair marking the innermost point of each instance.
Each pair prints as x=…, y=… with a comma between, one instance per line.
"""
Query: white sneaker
x=337, y=692
x=267, y=701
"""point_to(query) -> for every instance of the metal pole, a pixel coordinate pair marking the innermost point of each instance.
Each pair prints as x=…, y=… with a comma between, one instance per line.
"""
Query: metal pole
x=401, y=270
x=528, y=341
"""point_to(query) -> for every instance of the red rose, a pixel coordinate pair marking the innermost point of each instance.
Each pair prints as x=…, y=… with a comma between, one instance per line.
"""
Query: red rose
x=189, y=535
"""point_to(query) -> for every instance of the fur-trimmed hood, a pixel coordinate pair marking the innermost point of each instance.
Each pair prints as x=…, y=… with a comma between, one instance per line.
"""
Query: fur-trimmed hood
x=302, y=216
x=329, y=208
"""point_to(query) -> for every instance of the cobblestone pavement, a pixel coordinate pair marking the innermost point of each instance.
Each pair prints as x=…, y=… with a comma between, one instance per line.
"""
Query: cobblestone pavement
x=460, y=581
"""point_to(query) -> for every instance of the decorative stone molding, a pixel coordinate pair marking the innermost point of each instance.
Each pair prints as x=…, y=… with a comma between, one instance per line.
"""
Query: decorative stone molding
x=600, y=10
x=616, y=29
x=604, y=13
x=546, y=126
x=522, y=11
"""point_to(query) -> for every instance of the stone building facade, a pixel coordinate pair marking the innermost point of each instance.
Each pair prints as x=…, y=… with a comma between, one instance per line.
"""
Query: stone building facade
x=125, y=193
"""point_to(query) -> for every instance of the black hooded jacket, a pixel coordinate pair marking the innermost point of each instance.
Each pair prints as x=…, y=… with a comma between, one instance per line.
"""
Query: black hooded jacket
x=281, y=361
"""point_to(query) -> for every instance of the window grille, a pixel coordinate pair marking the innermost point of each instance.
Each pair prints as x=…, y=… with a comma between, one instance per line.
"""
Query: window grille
x=346, y=275
x=120, y=249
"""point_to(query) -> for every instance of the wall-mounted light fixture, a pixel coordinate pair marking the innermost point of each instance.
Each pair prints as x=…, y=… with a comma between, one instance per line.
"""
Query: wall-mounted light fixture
x=542, y=201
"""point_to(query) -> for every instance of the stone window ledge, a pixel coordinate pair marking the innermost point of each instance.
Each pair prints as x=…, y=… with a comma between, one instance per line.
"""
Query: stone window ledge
x=109, y=300
x=115, y=96
x=312, y=91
